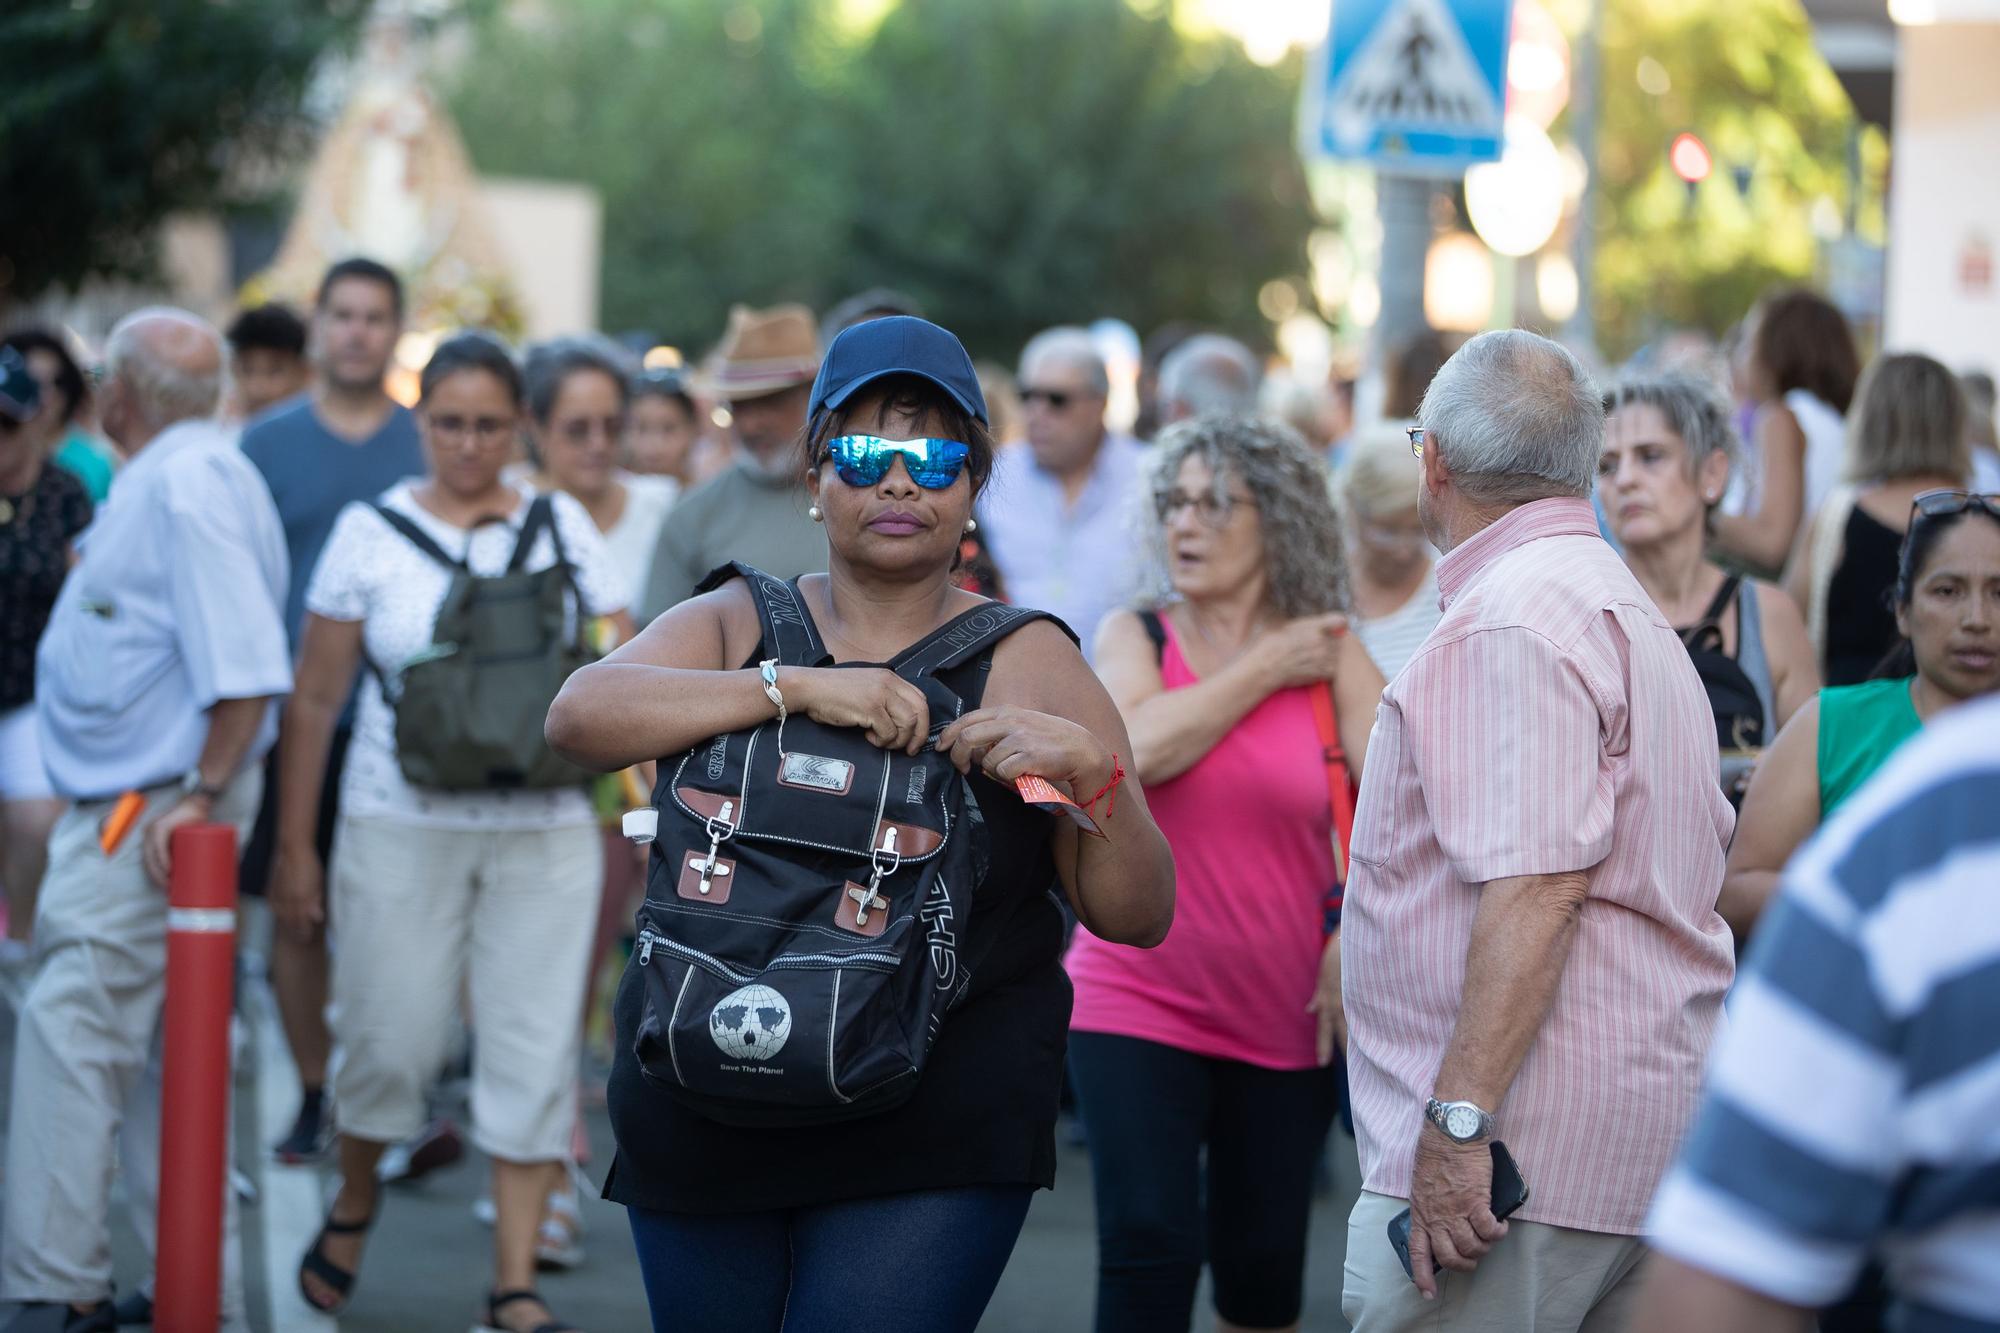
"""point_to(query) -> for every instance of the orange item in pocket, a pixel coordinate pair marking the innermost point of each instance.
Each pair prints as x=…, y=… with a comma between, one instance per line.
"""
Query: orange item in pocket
x=111, y=832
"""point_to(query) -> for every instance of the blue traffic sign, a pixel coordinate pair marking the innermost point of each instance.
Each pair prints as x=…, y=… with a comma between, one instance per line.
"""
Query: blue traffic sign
x=1418, y=87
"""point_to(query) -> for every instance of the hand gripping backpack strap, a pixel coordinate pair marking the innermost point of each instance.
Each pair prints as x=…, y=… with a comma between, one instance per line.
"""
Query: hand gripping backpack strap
x=789, y=632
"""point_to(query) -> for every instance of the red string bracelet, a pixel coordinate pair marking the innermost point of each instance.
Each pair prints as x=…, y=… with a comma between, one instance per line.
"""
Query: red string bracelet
x=1108, y=789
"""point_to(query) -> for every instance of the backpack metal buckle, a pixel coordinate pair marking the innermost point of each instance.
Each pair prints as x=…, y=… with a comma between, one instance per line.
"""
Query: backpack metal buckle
x=719, y=830
x=885, y=860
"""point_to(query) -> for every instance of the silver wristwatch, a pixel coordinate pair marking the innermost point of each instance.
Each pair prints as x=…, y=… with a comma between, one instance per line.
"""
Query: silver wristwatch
x=1461, y=1122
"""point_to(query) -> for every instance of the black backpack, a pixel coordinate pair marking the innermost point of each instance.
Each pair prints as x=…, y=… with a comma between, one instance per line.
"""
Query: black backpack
x=471, y=707
x=1739, y=713
x=800, y=944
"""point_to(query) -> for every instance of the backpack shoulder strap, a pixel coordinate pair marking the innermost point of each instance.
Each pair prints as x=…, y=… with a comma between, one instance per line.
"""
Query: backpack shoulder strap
x=967, y=636
x=1156, y=630
x=788, y=627
x=541, y=514
x=418, y=538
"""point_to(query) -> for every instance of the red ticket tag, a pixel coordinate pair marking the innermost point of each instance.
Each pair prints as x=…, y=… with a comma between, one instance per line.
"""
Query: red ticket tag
x=1042, y=794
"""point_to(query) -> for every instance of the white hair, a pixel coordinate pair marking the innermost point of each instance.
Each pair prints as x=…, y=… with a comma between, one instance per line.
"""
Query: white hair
x=1209, y=374
x=1071, y=346
x=1517, y=419
x=164, y=390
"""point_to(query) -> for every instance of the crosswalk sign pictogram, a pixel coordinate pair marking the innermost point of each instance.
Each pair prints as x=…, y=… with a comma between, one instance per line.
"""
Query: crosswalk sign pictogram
x=1416, y=86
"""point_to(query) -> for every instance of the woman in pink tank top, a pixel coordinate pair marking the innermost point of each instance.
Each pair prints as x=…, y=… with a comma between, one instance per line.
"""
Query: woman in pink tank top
x=1225, y=1036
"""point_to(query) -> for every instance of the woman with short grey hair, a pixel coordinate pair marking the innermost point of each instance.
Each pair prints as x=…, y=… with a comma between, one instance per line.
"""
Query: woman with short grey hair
x=1906, y=435
x=1394, y=581
x=1249, y=707
x=1668, y=449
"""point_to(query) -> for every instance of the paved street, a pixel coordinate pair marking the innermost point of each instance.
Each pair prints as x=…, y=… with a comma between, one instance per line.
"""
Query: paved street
x=428, y=1261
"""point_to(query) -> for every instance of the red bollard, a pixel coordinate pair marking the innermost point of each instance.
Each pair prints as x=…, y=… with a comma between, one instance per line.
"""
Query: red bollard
x=194, y=1110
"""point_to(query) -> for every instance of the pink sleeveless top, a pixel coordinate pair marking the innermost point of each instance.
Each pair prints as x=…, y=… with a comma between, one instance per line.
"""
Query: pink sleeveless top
x=1251, y=832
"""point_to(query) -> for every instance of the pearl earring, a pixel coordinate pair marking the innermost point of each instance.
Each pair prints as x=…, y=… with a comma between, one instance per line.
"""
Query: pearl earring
x=972, y=525
x=815, y=515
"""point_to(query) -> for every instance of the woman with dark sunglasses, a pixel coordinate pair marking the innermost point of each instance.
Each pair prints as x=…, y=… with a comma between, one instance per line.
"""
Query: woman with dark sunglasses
x=901, y=1220
x=1947, y=605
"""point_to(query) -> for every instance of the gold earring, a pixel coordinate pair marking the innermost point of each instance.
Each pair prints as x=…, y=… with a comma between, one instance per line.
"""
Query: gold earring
x=972, y=525
x=815, y=515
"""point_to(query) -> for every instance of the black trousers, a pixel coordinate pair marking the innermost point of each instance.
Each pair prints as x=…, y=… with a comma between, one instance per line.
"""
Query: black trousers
x=1149, y=1110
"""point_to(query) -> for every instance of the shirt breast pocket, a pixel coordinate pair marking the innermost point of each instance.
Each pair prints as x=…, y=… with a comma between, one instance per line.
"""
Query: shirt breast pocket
x=1374, y=822
x=100, y=660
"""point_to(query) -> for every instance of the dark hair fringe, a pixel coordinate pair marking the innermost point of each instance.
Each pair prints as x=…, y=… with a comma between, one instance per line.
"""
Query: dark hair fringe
x=1925, y=532
x=368, y=270
x=270, y=327
x=472, y=349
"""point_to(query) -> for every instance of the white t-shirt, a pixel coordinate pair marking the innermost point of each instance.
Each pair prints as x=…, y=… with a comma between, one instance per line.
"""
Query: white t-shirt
x=371, y=573
x=633, y=537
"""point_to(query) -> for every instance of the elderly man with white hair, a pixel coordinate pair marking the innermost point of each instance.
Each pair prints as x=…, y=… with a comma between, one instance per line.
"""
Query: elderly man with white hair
x=1530, y=948
x=1208, y=375
x=1059, y=514
x=155, y=679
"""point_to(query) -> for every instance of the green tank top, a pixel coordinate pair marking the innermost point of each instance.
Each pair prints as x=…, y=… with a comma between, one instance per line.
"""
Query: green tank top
x=1860, y=726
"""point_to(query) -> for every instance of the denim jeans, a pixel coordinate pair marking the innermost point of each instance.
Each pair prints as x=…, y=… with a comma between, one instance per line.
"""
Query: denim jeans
x=925, y=1262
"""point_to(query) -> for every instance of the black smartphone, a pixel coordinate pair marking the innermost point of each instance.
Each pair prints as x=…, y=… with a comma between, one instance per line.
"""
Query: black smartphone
x=1510, y=1191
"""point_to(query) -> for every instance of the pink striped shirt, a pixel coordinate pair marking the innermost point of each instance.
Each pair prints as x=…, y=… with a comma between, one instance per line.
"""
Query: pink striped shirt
x=1552, y=722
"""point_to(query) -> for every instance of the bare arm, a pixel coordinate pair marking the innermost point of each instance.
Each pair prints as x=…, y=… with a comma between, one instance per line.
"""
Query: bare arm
x=1172, y=729
x=1676, y=1297
x=1780, y=811
x=1794, y=674
x=1521, y=938
x=1045, y=698
x=1762, y=540
x=329, y=656
x=1357, y=692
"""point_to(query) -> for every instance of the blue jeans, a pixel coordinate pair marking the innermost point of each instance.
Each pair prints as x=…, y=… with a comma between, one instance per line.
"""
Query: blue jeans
x=904, y=1263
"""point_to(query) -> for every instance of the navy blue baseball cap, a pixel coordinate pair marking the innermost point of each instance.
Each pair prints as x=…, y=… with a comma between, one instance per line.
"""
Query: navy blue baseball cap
x=20, y=391
x=896, y=345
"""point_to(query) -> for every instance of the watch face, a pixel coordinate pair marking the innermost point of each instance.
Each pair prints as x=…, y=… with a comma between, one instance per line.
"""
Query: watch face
x=1461, y=1122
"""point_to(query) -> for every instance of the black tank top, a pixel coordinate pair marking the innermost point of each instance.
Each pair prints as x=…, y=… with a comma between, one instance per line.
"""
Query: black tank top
x=1860, y=621
x=984, y=1111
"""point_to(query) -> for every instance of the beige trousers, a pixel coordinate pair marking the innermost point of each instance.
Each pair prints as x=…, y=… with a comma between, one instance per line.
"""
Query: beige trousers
x=423, y=915
x=86, y=1090
x=1538, y=1279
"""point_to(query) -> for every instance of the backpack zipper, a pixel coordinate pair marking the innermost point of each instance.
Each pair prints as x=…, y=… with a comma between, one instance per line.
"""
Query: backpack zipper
x=650, y=940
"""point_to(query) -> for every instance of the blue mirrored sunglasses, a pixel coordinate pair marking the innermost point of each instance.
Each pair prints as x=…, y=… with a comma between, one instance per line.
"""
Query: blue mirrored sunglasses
x=863, y=460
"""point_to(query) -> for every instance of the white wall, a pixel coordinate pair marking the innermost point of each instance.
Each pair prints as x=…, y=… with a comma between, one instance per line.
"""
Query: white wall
x=552, y=237
x=1944, y=197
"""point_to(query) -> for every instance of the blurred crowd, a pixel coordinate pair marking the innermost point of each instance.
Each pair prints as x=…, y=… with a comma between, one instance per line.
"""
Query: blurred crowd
x=1330, y=610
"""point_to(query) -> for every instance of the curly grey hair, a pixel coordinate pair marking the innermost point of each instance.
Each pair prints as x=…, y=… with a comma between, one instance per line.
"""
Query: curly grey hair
x=1304, y=556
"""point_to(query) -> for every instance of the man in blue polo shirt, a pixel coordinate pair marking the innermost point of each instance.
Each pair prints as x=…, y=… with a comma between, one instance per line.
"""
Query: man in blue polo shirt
x=347, y=440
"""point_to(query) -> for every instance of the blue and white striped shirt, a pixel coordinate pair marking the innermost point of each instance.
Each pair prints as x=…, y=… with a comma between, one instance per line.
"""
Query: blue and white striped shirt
x=1853, y=1102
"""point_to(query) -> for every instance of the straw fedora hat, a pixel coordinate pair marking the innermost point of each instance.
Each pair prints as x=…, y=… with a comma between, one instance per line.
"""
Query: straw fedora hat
x=765, y=351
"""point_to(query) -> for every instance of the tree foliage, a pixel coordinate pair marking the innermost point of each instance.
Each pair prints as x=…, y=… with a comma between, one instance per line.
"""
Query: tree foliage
x=1010, y=165
x=1746, y=79
x=116, y=113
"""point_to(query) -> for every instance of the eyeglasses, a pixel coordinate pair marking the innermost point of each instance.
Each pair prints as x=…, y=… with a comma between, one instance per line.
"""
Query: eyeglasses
x=1944, y=504
x=1210, y=510
x=451, y=426
x=863, y=460
x=578, y=430
x=1057, y=399
x=1416, y=434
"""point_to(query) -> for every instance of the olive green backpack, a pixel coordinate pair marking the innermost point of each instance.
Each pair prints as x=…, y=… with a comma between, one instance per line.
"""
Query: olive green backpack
x=470, y=708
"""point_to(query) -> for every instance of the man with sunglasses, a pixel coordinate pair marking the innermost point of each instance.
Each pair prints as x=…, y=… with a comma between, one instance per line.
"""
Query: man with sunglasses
x=754, y=511
x=1059, y=515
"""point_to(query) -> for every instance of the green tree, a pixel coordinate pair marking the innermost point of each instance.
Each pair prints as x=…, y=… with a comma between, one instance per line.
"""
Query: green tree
x=1746, y=79
x=115, y=113
x=1011, y=165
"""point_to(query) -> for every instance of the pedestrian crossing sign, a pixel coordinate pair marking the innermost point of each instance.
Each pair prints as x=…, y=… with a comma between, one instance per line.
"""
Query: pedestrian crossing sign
x=1418, y=87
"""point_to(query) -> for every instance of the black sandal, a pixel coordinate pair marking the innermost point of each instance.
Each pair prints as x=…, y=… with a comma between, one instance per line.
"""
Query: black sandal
x=495, y=1300
x=316, y=1264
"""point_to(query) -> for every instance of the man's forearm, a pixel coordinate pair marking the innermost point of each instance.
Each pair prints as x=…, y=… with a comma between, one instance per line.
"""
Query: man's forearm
x=233, y=725
x=1520, y=941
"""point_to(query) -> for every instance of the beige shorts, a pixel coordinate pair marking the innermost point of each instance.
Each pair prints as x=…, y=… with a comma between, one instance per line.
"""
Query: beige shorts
x=424, y=915
x=1538, y=1279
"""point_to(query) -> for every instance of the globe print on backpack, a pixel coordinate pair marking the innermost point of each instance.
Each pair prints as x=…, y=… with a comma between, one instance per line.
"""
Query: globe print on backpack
x=751, y=1023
